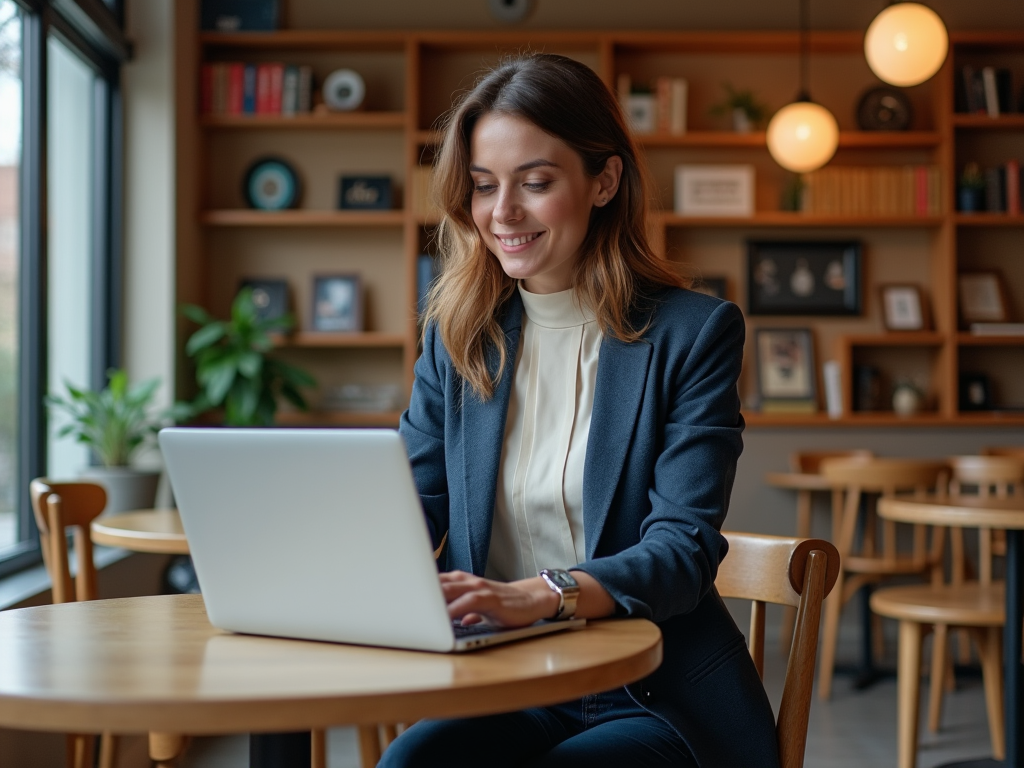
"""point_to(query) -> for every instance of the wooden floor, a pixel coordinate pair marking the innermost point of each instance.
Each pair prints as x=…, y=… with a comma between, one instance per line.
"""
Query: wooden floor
x=857, y=729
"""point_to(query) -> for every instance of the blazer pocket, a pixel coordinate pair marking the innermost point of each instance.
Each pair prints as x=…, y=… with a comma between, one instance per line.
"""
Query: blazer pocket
x=717, y=659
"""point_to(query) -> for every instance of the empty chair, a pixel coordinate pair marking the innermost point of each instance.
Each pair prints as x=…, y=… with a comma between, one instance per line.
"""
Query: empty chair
x=869, y=551
x=786, y=571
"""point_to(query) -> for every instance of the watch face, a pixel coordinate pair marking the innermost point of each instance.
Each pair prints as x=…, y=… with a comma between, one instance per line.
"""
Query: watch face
x=562, y=579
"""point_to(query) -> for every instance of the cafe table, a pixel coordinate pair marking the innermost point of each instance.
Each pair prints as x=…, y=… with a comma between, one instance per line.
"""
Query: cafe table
x=140, y=664
x=143, y=530
x=1000, y=513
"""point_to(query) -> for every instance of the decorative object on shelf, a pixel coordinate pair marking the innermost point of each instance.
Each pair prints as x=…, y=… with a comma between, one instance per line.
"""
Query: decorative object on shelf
x=742, y=107
x=272, y=184
x=510, y=11
x=832, y=378
x=975, y=392
x=903, y=308
x=907, y=398
x=365, y=193
x=715, y=190
x=365, y=398
x=884, y=109
x=234, y=88
x=239, y=15
x=867, y=388
x=906, y=44
x=712, y=286
x=115, y=423
x=786, y=373
x=343, y=90
x=803, y=136
x=983, y=297
x=641, y=112
x=234, y=371
x=427, y=270
x=793, y=188
x=658, y=110
x=970, y=193
x=269, y=297
x=337, y=303
x=803, y=277
x=988, y=91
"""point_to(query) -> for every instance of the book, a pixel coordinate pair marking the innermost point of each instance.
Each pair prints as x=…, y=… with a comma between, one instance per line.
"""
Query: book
x=973, y=90
x=236, y=88
x=833, y=389
x=276, y=88
x=994, y=184
x=206, y=89
x=220, y=89
x=263, y=89
x=997, y=329
x=249, y=89
x=305, y=97
x=290, y=91
x=988, y=78
x=1012, y=176
x=1004, y=91
x=677, y=106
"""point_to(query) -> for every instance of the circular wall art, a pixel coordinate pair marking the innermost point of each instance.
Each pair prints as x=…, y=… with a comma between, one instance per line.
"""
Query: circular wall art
x=271, y=184
x=510, y=10
x=884, y=109
x=344, y=90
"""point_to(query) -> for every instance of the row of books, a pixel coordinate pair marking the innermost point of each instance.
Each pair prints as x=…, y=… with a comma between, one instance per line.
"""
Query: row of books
x=1001, y=193
x=909, y=190
x=661, y=109
x=988, y=91
x=234, y=88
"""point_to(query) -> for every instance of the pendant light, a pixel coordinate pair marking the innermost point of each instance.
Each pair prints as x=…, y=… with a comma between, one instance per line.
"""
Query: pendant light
x=906, y=44
x=803, y=136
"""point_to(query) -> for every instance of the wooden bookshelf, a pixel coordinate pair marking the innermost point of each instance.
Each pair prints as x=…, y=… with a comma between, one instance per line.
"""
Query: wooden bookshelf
x=415, y=75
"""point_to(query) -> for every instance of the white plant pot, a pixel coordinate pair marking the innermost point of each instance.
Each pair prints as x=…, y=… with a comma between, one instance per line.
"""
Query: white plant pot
x=740, y=122
x=127, y=488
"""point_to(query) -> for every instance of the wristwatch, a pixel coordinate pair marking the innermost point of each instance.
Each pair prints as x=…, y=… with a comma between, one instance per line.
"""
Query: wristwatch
x=568, y=590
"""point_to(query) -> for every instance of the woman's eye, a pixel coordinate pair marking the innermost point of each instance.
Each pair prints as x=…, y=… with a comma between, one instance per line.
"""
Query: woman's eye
x=483, y=187
x=537, y=186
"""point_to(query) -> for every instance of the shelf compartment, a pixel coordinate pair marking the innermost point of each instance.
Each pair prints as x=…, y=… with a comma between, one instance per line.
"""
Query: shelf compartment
x=307, y=121
x=338, y=418
x=972, y=340
x=756, y=139
x=314, y=340
x=988, y=220
x=300, y=218
x=788, y=219
x=984, y=122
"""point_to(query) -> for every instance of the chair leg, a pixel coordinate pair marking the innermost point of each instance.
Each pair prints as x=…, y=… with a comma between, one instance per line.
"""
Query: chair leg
x=369, y=746
x=166, y=748
x=108, y=750
x=908, y=695
x=80, y=749
x=877, y=636
x=990, y=645
x=318, y=750
x=936, y=682
x=830, y=636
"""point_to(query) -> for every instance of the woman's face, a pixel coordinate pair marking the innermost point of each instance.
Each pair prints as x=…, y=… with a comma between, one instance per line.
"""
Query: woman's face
x=532, y=199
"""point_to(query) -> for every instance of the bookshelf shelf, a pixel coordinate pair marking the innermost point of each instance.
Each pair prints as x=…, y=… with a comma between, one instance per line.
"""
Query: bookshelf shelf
x=756, y=139
x=972, y=340
x=338, y=418
x=300, y=218
x=312, y=340
x=897, y=339
x=788, y=219
x=984, y=122
x=307, y=121
x=988, y=220
x=306, y=40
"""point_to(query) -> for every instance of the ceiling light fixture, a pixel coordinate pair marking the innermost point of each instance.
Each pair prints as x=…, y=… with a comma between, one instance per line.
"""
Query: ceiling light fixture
x=906, y=44
x=803, y=136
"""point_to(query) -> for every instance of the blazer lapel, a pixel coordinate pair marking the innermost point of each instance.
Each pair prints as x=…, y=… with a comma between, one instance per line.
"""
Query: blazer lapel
x=483, y=432
x=621, y=377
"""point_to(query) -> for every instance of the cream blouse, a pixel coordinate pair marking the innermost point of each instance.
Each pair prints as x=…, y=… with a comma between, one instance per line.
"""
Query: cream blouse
x=538, y=511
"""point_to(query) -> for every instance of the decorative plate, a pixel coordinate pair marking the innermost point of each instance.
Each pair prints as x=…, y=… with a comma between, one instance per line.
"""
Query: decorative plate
x=344, y=90
x=271, y=184
x=884, y=109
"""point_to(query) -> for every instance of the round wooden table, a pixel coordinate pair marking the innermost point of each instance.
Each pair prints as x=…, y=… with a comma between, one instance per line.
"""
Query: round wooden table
x=1007, y=514
x=156, y=664
x=142, y=530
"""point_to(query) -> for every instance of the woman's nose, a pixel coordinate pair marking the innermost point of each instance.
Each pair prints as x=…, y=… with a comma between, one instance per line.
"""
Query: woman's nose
x=506, y=207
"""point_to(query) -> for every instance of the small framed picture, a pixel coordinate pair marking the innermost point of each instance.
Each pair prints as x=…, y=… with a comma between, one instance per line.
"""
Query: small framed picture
x=803, y=277
x=975, y=392
x=712, y=286
x=337, y=303
x=715, y=190
x=785, y=364
x=983, y=297
x=365, y=193
x=270, y=297
x=903, y=308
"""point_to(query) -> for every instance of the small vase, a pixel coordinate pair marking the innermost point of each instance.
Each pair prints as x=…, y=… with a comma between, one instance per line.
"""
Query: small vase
x=906, y=400
x=127, y=489
x=740, y=122
x=969, y=199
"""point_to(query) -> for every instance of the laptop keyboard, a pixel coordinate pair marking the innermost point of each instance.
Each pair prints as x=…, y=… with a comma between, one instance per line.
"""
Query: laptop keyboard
x=471, y=629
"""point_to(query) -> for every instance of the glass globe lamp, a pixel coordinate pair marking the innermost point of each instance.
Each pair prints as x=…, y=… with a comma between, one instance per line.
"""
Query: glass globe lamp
x=906, y=44
x=803, y=136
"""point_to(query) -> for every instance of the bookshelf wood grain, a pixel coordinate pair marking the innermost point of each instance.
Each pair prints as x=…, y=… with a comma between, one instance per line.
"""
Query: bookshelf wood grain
x=307, y=121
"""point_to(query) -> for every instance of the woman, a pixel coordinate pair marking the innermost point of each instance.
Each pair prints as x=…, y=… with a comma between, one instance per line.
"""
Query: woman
x=575, y=410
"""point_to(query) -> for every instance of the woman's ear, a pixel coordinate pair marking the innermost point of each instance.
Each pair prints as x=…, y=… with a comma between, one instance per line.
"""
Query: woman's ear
x=608, y=181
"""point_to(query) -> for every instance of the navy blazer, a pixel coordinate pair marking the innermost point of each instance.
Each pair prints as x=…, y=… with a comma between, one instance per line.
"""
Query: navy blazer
x=659, y=468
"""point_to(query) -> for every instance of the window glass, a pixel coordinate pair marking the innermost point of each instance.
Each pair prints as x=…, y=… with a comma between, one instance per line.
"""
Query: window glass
x=10, y=164
x=70, y=169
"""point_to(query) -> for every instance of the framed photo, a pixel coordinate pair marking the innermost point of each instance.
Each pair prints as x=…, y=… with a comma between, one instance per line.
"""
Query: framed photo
x=903, y=308
x=712, y=286
x=975, y=392
x=785, y=365
x=270, y=297
x=982, y=297
x=803, y=278
x=337, y=303
x=364, y=193
x=715, y=190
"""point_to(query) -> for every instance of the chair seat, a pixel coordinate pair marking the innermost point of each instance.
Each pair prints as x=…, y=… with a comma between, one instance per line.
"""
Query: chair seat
x=885, y=566
x=969, y=605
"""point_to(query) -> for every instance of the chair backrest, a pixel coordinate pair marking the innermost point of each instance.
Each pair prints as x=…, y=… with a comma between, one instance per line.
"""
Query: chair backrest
x=996, y=475
x=57, y=507
x=809, y=462
x=1005, y=450
x=786, y=571
x=885, y=475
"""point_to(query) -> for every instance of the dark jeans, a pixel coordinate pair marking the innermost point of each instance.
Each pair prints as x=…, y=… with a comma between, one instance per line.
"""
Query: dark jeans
x=606, y=729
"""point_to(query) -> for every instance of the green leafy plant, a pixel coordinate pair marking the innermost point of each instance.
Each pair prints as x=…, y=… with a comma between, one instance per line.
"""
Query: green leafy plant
x=114, y=422
x=743, y=100
x=972, y=177
x=233, y=369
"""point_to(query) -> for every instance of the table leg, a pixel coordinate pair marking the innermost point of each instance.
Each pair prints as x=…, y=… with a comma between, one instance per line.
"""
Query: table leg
x=280, y=750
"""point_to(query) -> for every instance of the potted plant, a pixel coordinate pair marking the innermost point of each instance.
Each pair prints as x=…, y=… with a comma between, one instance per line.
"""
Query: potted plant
x=115, y=423
x=745, y=111
x=971, y=191
x=233, y=369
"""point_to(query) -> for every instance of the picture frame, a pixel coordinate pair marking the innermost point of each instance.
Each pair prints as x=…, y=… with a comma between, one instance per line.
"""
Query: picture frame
x=804, y=277
x=975, y=392
x=337, y=303
x=786, y=371
x=365, y=193
x=903, y=307
x=269, y=296
x=714, y=190
x=983, y=297
x=712, y=286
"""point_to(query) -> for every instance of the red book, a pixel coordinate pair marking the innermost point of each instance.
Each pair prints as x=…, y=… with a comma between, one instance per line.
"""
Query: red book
x=206, y=89
x=263, y=89
x=276, y=87
x=1013, y=188
x=236, y=88
x=921, y=190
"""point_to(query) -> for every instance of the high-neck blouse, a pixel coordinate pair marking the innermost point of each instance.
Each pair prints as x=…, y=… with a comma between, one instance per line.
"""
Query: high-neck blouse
x=538, y=513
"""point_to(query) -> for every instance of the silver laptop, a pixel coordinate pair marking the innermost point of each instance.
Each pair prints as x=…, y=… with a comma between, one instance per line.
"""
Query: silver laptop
x=315, y=534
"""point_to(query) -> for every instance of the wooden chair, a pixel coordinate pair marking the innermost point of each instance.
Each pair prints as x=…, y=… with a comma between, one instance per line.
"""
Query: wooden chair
x=57, y=507
x=786, y=571
x=977, y=605
x=873, y=555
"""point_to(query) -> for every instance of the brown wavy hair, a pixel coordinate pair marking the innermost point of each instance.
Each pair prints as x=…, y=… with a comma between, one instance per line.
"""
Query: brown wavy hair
x=616, y=271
